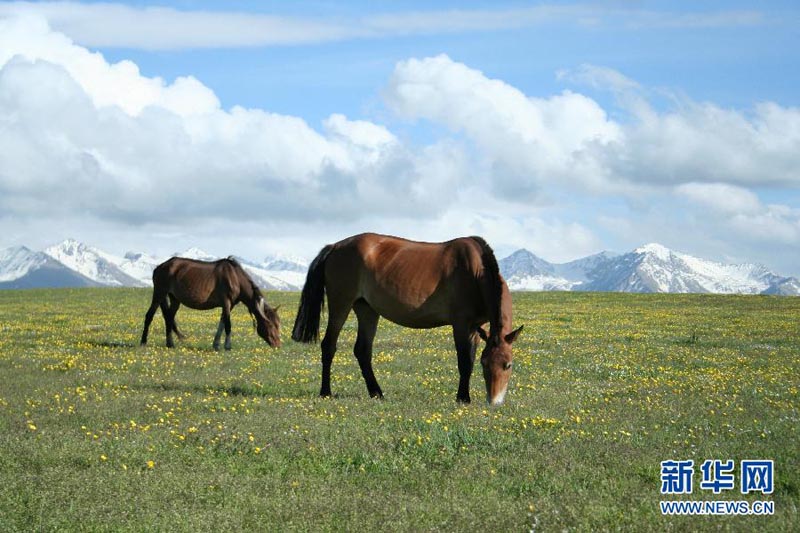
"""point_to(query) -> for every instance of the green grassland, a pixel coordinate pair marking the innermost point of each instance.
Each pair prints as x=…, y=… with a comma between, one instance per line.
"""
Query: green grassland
x=97, y=433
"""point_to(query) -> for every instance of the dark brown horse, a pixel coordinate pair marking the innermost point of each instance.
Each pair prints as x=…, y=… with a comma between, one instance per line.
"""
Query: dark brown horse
x=206, y=285
x=417, y=285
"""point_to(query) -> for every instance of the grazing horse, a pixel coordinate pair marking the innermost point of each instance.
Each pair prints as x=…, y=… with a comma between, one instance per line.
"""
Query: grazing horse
x=416, y=285
x=206, y=285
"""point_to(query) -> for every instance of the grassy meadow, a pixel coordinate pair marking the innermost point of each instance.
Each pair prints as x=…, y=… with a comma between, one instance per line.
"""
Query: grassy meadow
x=98, y=434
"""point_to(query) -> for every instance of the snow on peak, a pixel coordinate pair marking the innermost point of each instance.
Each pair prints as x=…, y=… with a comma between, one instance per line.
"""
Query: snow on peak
x=17, y=261
x=658, y=250
x=139, y=266
x=283, y=261
x=67, y=247
x=90, y=262
x=196, y=253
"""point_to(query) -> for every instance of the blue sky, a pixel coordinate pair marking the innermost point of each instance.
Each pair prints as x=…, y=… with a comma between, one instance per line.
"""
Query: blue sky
x=732, y=65
x=566, y=128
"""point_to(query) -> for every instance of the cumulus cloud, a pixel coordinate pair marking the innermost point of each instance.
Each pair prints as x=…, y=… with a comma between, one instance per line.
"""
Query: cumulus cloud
x=80, y=133
x=569, y=138
x=741, y=211
x=720, y=197
x=527, y=141
x=118, y=84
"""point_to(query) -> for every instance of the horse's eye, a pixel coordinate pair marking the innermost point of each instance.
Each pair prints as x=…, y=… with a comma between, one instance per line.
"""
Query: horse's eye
x=508, y=365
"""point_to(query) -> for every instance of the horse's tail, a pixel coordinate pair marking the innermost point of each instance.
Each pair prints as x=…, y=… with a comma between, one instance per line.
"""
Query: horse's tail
x=306, y=325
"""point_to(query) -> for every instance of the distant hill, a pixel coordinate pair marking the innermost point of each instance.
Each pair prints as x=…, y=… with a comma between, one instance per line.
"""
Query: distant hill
x=649, y=268
x=74, y=264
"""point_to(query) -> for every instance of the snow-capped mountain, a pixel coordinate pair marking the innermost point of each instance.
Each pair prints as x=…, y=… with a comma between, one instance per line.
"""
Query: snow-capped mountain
x=17, y=261
x=195, y=253
x=75, y=264
x=21, y=268
x=285, y=263
x=289, y=277
x=92, y=263
x=139, y=266
x=650, y=268
x=525, y=271
x=655, y=268
x=279, y=280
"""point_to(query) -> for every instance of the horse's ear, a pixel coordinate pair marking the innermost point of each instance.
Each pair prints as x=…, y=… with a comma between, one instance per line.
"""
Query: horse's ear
x=511, y=337
x=482, y=334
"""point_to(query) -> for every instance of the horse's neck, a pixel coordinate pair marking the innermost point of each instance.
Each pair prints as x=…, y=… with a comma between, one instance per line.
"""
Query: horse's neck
x=504, y=320
x=250, y=298
x=248, y=294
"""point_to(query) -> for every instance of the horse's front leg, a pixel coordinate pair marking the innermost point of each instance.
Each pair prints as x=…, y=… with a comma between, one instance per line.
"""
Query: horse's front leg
x=226, y=320
x=367, y=326
x=466, y=345
x=218, y=335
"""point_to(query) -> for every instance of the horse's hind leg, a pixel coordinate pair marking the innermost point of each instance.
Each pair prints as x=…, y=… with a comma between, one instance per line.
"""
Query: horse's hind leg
x=338, y=310
x=174, y=305
x=367, y=326
x=168, y=321
x=158, y=297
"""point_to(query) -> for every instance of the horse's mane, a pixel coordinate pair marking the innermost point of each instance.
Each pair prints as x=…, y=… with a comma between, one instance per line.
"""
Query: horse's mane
x=493, y=284
x=256, y=291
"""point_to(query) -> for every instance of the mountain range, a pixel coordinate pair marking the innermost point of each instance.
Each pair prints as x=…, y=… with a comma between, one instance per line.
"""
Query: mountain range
x=648, y=269
x=75, y=264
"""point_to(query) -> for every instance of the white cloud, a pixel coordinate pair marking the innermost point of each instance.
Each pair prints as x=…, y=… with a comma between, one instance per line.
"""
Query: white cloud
x=570, y=139
x=120, y=84
x=776, y=224
x=162, y=28
x=85, y=140
x=720, y=197
x=741, y=212
x=82, y=134
x=528, y=141
x=701, y=142
x=598, y=77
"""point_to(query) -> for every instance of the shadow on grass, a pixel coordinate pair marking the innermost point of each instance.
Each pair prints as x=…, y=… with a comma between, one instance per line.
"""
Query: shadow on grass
x=113, y=344
x=234, y=390
x=250, y=391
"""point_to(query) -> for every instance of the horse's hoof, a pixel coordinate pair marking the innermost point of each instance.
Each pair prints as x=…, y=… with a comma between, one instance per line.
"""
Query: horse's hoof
x=465, y=401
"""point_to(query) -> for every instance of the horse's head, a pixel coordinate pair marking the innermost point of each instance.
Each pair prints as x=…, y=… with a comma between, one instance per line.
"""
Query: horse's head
x=268, y=323
x=497, y=360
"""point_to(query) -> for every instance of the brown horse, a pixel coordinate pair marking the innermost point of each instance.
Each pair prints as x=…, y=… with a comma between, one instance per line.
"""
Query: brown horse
x=206, y=285
x=416, y=285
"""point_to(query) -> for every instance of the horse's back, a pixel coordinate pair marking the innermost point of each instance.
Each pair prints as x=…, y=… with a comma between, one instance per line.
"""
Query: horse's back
x=416, y=284
x=197, y=284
